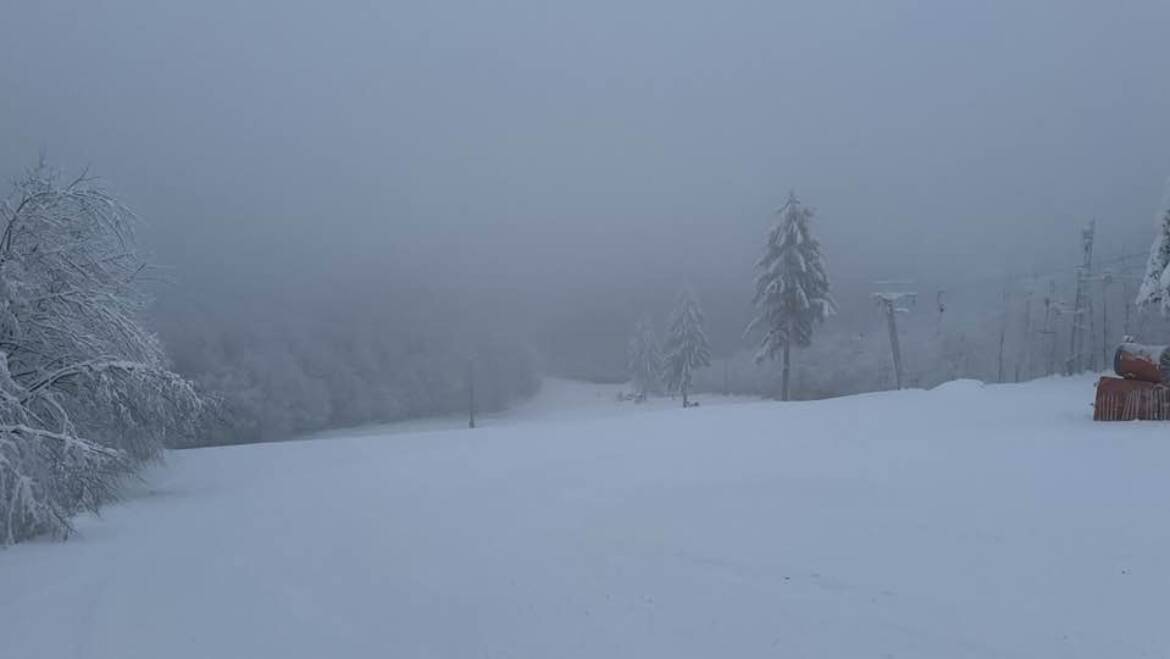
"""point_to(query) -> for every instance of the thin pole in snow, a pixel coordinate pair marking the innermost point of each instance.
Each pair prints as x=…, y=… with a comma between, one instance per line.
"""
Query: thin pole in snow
x=470, y=392
x=1078, y=344
x=1002, y=335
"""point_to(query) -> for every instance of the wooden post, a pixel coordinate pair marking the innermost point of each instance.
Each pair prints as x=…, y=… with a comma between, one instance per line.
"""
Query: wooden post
x=1002, y=336
x=1025, y=363
x=470, y=392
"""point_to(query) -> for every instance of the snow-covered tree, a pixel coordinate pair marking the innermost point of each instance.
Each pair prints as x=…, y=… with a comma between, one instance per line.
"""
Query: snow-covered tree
x=792, y=288
x=687, y=349
x=645, y=359
x=85, y=389
x=1155, y=287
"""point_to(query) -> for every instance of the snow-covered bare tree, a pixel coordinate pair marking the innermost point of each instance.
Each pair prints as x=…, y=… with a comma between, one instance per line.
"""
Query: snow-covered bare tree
x=687, y=349
x=645, y=359
x=792, y=288
x=1155, y=287
x=85, y=390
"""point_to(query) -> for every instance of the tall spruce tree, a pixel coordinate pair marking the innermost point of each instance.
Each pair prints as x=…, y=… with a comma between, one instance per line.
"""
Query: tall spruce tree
x=645, y=359
x=792, y=288
x=1155, y=287
x=687, y=348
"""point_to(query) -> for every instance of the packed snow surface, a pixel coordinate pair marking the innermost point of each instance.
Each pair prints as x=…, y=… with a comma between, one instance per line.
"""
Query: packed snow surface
x=968, y=521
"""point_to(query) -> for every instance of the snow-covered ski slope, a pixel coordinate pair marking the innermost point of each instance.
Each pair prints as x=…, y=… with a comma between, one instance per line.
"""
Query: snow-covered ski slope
x=967, y=521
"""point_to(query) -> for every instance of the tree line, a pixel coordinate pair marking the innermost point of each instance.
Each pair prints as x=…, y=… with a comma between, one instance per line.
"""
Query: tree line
x=282, y=368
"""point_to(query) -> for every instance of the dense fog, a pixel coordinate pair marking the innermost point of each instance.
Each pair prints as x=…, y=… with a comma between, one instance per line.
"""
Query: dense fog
x=354, y=205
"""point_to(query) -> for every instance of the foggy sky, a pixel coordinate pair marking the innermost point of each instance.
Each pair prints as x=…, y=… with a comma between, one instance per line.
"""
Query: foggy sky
x=587, y=154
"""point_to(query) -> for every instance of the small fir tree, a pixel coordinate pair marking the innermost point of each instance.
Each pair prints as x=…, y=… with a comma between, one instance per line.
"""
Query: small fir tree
x=687, y=349
x=645, y=360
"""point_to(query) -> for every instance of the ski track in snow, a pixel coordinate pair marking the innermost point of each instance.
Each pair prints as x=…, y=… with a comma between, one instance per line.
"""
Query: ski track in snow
x=967, y=521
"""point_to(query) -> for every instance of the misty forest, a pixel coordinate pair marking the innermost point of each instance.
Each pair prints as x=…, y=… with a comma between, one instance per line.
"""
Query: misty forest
x=609, y=330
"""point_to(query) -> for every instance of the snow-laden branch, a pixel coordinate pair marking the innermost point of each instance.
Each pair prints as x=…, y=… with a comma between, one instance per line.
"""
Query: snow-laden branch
x=85, y=391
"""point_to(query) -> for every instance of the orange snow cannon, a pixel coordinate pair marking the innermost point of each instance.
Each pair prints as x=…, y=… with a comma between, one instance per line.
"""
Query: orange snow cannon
x=1131, y=400
x=1141, y=393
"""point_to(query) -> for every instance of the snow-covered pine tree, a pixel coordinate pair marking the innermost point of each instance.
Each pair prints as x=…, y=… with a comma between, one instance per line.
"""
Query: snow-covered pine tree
x=85, y=390
x=687, y=349
x=792, y=288
x=645, y=360
x=1155, y=287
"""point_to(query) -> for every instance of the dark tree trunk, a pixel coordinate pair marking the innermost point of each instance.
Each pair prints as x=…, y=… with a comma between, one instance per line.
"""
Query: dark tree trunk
x=784, y=391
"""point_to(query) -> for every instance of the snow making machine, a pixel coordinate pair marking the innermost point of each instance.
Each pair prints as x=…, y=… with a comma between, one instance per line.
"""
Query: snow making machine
x=1141, y=392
